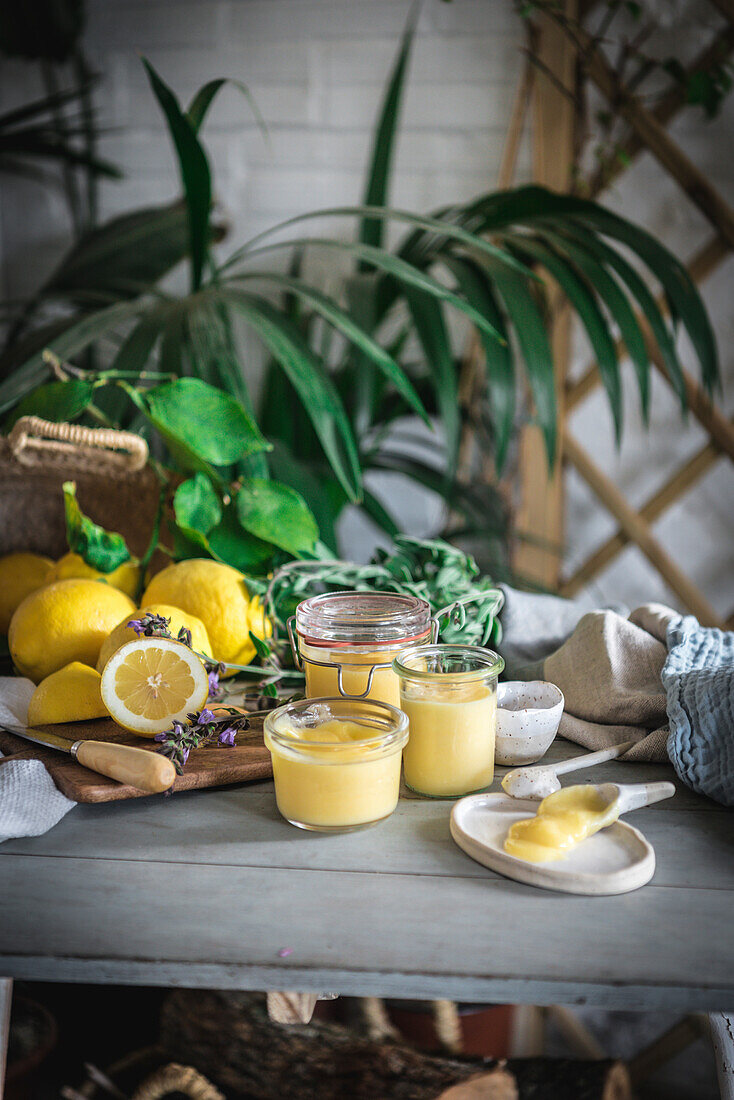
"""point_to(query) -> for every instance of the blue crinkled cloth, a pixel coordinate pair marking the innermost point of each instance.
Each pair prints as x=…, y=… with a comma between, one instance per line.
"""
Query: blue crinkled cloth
x=698, y=677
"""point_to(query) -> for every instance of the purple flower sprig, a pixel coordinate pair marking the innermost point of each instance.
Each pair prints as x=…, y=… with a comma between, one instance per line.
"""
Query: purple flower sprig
x=202, y=728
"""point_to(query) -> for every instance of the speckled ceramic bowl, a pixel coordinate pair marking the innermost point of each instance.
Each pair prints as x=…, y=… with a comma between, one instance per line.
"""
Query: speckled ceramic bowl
x=528, y=716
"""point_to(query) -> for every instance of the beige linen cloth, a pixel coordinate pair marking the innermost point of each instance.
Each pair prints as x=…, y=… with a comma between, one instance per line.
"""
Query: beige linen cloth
x=609, y=672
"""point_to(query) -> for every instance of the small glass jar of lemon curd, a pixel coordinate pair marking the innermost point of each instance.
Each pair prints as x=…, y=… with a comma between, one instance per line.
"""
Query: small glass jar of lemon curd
x=346, y=642
x=449, y=693
x=336, y=762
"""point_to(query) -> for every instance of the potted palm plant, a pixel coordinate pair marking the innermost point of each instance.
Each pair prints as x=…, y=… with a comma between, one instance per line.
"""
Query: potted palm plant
x=342, y=367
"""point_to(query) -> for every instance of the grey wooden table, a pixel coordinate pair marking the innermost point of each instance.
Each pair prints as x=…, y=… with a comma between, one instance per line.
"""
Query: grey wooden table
x=207, y=888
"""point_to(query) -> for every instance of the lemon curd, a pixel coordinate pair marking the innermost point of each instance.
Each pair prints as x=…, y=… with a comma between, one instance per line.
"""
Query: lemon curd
x=563, y=820
x=355, y=672
x=449, y=694
x=336, y=763
x=346, y=642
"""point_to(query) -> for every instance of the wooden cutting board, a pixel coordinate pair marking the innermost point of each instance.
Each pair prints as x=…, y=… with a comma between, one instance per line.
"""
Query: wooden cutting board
x=214, y=766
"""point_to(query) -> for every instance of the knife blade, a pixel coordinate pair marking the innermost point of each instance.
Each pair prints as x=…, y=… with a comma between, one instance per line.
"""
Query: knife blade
x=40, y=737
x=141, y=768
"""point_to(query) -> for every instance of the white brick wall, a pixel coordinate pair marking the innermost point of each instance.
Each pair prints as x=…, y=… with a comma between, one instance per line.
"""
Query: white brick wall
x=317, y=69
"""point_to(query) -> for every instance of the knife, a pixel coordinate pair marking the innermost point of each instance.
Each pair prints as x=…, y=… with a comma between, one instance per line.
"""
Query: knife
x=141, y=768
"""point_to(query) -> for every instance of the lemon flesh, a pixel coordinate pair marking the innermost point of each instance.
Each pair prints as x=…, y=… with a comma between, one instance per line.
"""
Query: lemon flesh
x=20, y=574
x=69, y=695
x=124, y=633
x=150, y=683
x=216, y=594
x=125, y=577
x=64, y=622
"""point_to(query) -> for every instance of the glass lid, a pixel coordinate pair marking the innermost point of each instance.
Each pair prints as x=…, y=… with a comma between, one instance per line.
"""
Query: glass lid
x=360, y=618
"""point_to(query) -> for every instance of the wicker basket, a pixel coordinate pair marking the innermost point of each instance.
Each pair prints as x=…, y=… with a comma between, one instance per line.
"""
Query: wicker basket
x=115, y=487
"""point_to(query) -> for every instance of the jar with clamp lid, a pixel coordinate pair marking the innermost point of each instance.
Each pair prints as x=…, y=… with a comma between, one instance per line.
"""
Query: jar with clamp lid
x=346, y=642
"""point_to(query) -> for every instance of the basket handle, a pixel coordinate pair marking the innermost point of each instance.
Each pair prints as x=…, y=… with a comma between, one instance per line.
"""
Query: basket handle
x=32, y=438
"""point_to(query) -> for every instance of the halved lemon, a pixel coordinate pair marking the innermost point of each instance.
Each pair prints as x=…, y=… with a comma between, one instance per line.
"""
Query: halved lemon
x=150, y=683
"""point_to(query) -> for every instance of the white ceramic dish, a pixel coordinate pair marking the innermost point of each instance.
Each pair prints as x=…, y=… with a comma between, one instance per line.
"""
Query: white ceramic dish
x=528, y=716
x=613, y=861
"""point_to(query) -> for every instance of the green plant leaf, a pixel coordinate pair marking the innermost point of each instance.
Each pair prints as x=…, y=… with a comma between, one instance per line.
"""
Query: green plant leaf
x=404, y=272
x=194, y=169
x=73, y=339
x=196, y=506
x=499, y=363
x=137, y=347
x=262, y=647
x=638, y=289
x=126, y=255
x=230, y=543
x=379, y=515
x=55, y=401
x=173, y=340
x=433, y=335
x=205, y=96
x=277, y=513
x=440, y=231
x=610, y=293
x=342, y=321
x=203, y=421
x=103, y=550
x=528, y=204
x=371, y=230
x=523, y=312
x=313, y=384
x=215, y=354
x=313, y=482
x=582, y=299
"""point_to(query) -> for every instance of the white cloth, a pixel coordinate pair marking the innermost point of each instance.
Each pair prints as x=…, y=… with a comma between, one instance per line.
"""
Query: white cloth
x=30, y=804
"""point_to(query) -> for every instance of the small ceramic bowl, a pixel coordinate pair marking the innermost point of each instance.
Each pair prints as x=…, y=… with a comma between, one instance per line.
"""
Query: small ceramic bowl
x=528, y=716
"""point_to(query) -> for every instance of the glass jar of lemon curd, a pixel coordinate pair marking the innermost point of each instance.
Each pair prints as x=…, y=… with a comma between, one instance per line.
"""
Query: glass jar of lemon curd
x=449, y=693
x=346, y=642
x=336, y=762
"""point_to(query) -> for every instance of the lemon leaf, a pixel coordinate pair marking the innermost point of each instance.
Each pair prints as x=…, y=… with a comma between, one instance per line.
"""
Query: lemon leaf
x=277, y=514
x=103, y=550
x=196, y=507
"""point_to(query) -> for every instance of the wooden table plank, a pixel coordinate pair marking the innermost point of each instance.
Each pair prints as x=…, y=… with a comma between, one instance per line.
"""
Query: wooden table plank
x=205, y=887
x=389, y=934
x=241, y=827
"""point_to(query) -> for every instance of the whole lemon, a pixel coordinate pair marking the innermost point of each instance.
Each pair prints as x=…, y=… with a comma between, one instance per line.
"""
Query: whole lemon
x=125, y=577
x=124, y=633
x=217, y=595
x=68, y=695
x=63, y=622
x=20, y=574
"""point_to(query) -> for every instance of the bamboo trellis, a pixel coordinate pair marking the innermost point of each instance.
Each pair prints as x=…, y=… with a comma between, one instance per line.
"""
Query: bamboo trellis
x=540, y=515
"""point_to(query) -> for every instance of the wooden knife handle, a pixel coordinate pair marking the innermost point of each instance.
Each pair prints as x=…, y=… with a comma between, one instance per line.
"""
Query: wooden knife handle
x=148, y=771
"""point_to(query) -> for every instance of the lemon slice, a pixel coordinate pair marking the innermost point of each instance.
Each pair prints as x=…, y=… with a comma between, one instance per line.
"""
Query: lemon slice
x=150, y=683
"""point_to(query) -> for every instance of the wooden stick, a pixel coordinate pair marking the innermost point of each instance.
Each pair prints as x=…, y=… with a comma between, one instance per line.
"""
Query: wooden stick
x=639, y=532
x=688, y=474
x=664, y=111
x=576, y=1034
x=520, y=107
x=472, y=361
x=541, y=504
x=665, y=1047
x=229, y=1038
x=653, y=135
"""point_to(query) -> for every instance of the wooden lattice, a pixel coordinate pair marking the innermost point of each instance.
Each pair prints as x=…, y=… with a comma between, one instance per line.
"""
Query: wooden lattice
x=547, y=88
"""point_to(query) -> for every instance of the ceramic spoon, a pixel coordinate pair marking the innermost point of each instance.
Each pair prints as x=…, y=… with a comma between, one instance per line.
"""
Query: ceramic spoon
x=538, y=782
x=621, y=798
